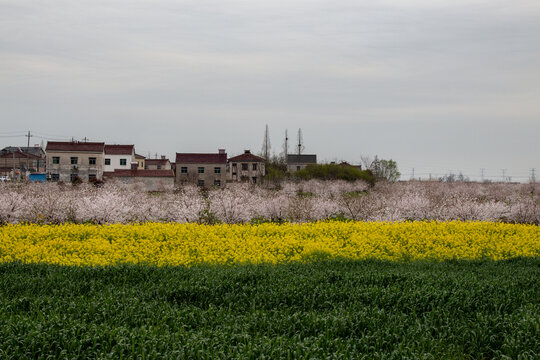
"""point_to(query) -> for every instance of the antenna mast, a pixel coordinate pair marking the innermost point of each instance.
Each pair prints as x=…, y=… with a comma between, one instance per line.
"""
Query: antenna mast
x=300, y=142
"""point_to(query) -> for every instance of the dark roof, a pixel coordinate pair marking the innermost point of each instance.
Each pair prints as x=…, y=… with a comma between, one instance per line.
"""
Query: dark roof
x=75, y=146
x=156, y=161
x=137, y=156
x=194, y=158
x=247, y=157
x=119, y=149
x=301, y=159
x=33, y=150
x=139, y=173
x=19, y=155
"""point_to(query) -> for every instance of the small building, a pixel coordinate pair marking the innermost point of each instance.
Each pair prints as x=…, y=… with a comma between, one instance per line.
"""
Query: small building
x=118, y=157
x=140, y=161
x=158, y=164
x=153, y=180
x=297, y=162
x=202, y=169
x=247, y=168
x=67, y=161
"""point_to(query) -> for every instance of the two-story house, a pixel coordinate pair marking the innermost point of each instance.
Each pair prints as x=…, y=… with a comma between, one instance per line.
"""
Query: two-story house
x=67, y=161
x=247, y=168
x=202, y=169
x=118, y=157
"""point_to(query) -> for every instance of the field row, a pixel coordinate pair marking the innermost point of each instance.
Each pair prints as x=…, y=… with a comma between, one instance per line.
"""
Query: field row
x=191, y=244
x=322, y=310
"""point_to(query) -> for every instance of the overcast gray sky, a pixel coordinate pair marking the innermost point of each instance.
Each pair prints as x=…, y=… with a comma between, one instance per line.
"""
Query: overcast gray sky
x=435, y=85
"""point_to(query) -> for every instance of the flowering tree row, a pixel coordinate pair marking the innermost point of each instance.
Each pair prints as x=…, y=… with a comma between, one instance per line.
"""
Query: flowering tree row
x=295, y=202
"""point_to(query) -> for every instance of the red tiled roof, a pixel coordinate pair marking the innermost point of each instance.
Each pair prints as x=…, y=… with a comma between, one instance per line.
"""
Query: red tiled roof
x=139, y=173
x=247, y=157
x=119, y=149
x=195, y=158
x=75, y=146
x=156, y=161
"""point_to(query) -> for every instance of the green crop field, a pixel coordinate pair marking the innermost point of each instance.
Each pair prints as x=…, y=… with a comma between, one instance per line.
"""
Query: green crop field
x=342, y=310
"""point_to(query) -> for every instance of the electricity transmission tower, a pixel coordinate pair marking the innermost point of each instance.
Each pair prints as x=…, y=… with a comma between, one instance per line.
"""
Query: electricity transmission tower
x=266, y=144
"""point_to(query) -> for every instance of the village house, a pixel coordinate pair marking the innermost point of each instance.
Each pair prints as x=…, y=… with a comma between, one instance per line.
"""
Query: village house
x=19, y=162
x=158, y=164
x=247, y=168
x=296, y=162
x=118, y=157
x=202, y=169
x=67, y=161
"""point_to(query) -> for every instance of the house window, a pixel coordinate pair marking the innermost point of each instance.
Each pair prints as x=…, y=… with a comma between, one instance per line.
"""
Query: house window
x=200, y=169
x=244, y=167
x=183, y=170
x=217, y=170
x=74, y=160
x=92, y=161
x=217, y=182
x=254, y=179
x=55, y=177
x=107, y=161
x=298, y=168
x=200, y=183
x=123, y=161
x=56, y=160
x=254, y=167
x=72, y=177
x=159, y=167
x=91, y=177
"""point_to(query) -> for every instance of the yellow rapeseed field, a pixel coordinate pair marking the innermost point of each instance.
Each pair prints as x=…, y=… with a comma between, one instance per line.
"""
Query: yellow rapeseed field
x=190, y=244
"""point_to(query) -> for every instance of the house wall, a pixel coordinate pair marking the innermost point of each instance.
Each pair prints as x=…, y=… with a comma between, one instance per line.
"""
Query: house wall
x=237, y=174
x=8, y=163
x=150, y=183
x=208, y=177
x=292, y=168
x=83, y=169
x=115, y=162
x=152, y=166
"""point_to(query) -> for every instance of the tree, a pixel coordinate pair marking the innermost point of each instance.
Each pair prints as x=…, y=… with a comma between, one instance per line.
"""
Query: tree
x=382, y=169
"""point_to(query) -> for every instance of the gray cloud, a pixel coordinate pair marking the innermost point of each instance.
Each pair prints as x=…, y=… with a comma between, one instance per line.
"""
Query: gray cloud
x=451, y=82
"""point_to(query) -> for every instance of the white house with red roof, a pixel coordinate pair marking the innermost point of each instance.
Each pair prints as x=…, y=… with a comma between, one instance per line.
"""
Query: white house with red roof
x=202, y=169
x=119, y=157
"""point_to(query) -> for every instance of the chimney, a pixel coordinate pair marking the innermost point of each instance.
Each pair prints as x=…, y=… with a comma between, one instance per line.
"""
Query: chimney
x=247, y=151
x=162, y=157
x=221, y=151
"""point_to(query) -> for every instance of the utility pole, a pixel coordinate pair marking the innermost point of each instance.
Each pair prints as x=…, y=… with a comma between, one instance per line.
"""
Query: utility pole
x=482, y=174
x=286, y=148
x=533, y=175
x=27, y=150
x=504, y=175
x=266, y=144
x=412, y=176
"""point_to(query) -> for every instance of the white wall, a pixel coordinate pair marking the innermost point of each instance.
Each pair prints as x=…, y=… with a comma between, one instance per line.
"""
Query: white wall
x=115, y=162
